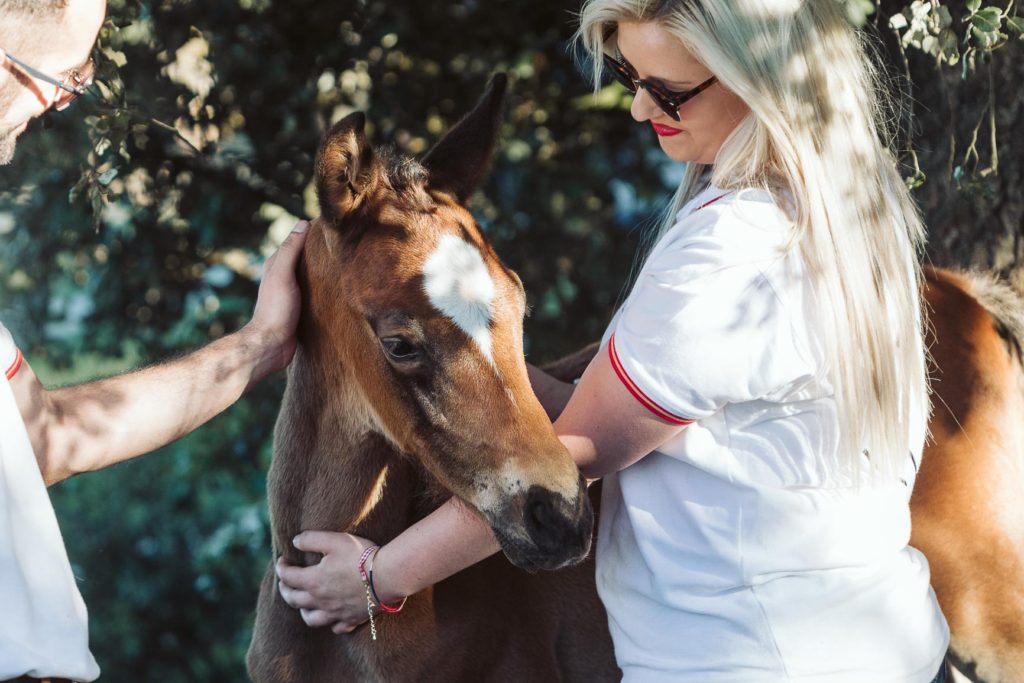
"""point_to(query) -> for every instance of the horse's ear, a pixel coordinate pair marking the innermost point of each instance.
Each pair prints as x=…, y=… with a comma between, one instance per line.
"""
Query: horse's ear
x=459, y=161
x=346, y=167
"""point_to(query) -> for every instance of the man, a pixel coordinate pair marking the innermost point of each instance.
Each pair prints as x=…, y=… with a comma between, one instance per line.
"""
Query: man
x=46, y=436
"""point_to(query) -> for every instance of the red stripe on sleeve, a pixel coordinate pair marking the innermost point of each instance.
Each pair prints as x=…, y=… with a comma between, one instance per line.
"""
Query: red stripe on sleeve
x=711, y=202
x=631, y=386
x=16, y=365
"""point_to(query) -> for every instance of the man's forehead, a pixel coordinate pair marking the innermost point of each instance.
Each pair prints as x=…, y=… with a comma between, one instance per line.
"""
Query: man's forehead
x=64, y=42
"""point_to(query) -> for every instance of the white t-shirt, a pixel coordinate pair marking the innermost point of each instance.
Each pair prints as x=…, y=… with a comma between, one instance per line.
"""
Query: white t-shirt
x=729, y=555
x=43, y=622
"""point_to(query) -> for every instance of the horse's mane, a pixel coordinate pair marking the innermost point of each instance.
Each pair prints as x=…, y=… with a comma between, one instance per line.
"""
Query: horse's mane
x=402, y=172
x=1004, y=300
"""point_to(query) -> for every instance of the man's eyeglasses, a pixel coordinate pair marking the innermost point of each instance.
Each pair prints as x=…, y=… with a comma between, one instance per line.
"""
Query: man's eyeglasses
x=667, y=100
x=71, y=86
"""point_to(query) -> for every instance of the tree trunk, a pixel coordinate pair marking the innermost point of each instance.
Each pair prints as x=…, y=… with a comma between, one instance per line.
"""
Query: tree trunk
x=976, y=220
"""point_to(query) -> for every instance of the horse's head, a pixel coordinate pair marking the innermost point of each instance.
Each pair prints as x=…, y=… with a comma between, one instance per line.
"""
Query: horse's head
x=427, y=323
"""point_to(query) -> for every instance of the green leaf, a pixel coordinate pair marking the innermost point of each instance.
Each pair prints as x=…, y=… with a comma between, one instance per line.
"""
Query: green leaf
x=858, y=11
x=987, y=20
x=973, y=5
x=949, y=46
x=945, y=18
x=915, y=181
x=930, y=45
x=986, y=39
x=1016, y=24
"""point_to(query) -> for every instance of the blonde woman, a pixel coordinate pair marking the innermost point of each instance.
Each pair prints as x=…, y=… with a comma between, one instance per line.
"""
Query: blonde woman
x=758, y=407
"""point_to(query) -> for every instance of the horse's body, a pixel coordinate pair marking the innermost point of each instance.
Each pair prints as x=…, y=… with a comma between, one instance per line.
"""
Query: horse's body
x=409, y=386
x=967, y=511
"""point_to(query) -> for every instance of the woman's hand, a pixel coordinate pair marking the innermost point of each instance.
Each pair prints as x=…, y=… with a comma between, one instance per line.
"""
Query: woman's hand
x=329, y=593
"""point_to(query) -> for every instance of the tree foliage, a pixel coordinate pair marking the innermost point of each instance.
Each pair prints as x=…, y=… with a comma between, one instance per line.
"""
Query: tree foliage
x=136, y=229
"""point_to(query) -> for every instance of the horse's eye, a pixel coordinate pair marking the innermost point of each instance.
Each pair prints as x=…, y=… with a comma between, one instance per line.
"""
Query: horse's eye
x=399, y=349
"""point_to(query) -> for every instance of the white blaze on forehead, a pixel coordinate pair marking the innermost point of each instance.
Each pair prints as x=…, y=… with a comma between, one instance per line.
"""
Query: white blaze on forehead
x=457, y=283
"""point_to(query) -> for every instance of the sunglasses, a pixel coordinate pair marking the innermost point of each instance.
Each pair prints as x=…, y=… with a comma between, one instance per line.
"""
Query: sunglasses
x=667, y=100
x=76, y=83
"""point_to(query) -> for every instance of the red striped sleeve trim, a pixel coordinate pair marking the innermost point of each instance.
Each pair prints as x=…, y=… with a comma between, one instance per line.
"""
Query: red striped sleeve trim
x=645, y=400
x=711, y=202
x=16, y=365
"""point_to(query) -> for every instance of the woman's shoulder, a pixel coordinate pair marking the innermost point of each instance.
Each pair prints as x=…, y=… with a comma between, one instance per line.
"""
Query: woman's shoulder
x=756, y=206
x=741, y=221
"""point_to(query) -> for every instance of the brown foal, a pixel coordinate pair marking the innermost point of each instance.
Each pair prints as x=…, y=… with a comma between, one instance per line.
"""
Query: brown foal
x=408, y=386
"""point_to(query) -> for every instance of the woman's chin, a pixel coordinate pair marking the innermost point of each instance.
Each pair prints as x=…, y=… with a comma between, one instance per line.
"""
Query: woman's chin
x=676, y=147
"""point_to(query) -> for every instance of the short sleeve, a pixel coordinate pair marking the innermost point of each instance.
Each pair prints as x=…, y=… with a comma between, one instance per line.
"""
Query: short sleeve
x=704, y=326
x=10, y=355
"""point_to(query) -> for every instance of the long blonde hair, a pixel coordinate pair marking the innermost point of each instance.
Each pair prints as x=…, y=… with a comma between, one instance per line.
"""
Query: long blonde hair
x=814, y=138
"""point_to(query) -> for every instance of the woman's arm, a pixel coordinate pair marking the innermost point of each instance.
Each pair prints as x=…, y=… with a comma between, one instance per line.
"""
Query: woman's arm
x=554, y=383
x=552, y=393
x=604, y=429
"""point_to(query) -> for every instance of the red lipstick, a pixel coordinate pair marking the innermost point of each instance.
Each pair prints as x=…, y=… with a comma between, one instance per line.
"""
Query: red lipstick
x=665, y=131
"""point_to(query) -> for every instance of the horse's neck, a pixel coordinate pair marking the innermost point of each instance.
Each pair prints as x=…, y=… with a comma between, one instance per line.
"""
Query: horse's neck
x=331, y=470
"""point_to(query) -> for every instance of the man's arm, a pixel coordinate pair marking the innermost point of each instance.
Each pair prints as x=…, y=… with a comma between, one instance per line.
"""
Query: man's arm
x=90, y=426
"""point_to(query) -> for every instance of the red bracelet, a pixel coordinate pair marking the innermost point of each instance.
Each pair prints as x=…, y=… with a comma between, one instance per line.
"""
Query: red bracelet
x=380, y=603
x=362, y=561
x=367, y=576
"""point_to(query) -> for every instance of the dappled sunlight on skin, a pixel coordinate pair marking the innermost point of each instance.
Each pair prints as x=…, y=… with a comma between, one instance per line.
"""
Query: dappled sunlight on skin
x=100, y=423
x=90, y=426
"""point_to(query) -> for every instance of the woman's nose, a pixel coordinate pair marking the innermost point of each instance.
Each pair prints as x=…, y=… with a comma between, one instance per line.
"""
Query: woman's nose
x=643, y=107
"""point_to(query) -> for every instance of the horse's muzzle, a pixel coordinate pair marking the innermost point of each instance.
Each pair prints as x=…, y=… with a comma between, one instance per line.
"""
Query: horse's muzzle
x=555, y=532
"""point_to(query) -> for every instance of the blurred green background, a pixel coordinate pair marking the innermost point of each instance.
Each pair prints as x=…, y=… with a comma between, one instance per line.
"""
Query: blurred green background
x=132, y=228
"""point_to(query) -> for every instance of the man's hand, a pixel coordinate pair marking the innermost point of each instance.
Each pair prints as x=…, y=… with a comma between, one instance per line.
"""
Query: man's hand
x=276, y=315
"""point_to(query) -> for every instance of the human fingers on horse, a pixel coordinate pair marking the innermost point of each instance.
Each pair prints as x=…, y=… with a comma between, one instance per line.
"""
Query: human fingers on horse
x=301, y=578
x=299, y=599
x=287, y=256
x=341, y=627
x=316, y=618
x=288, y=252
x=277, y=302
x=331, y=542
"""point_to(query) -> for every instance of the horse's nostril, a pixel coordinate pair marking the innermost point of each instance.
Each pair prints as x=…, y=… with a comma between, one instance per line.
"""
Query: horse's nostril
x=552, y=523
x=541, y=513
